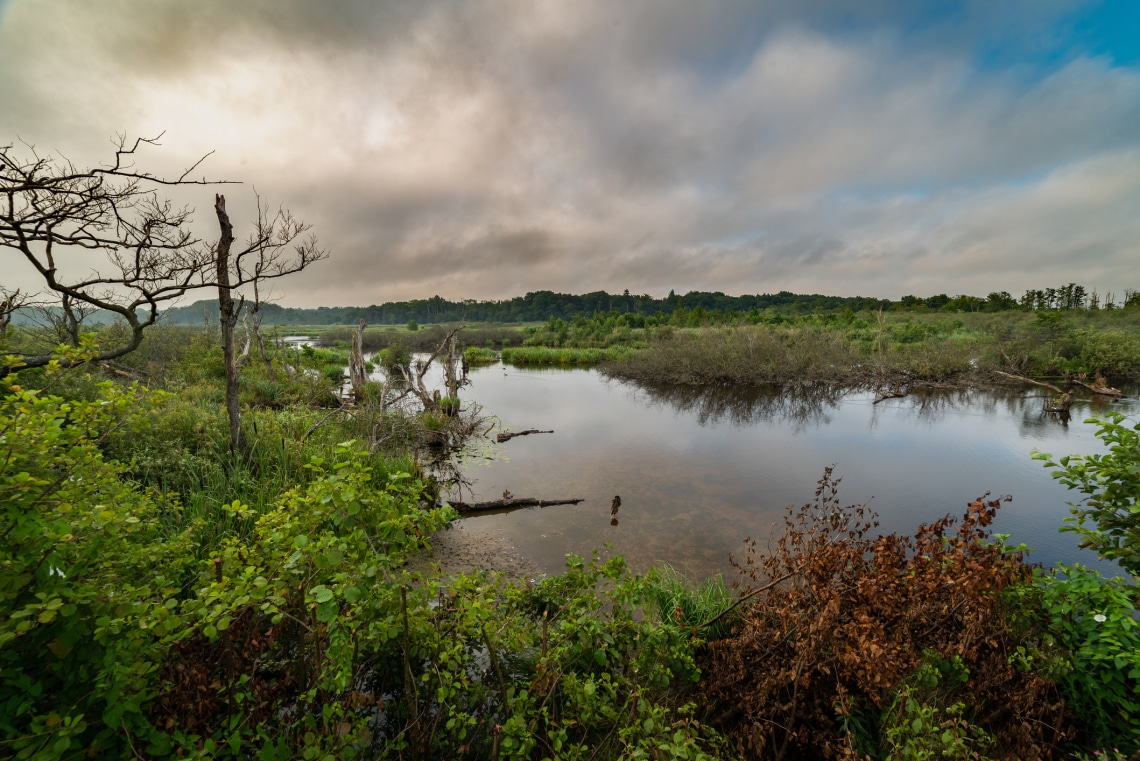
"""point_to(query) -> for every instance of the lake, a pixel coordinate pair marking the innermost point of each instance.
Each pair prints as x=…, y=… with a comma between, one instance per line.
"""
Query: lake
x=698, y=470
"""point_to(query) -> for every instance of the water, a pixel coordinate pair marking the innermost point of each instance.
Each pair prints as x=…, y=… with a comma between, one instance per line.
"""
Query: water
x=700, y=470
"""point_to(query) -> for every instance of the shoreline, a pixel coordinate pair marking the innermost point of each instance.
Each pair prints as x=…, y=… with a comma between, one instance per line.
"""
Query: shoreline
x=468, y=546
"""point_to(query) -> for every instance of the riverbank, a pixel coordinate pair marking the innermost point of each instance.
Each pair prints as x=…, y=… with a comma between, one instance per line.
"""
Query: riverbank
x=470, y=545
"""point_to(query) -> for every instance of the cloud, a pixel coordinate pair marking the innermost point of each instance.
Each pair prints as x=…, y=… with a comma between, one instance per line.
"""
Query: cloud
x=483, y=149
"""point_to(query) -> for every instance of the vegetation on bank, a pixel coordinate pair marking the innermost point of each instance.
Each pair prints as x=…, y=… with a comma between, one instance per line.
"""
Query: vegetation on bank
x=163, y=596
x=892, y=349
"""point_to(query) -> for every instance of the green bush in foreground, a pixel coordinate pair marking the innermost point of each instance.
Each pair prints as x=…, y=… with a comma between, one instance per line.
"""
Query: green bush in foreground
x=88, y=584
x=1108, y=518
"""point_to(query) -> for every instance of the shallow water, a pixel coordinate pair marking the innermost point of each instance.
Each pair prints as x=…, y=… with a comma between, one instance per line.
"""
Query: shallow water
x=700, y=470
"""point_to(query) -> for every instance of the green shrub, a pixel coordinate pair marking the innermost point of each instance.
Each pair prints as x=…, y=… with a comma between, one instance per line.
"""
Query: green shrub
x=1090, y=644
x=88, y=581
x=1108, y=518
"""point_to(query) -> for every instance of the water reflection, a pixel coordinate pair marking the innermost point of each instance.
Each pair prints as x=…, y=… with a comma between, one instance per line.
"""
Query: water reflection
x=698, y=469
x=802, y=406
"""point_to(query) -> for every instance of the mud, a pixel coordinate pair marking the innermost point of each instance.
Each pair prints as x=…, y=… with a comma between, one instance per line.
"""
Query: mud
x=472, y=544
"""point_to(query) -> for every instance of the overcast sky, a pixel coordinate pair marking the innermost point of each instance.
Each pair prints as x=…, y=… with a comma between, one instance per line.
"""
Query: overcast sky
x=486, y=149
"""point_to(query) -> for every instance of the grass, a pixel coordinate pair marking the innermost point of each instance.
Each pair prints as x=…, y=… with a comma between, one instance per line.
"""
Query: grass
x=477, y=355
x=679, y=601
x=892, y=348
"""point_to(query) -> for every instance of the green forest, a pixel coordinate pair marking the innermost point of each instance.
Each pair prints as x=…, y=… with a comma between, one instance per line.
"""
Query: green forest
x=540, y=306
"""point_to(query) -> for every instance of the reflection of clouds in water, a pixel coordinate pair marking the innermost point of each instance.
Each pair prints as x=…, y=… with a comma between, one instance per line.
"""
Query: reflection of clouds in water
x=741, y=406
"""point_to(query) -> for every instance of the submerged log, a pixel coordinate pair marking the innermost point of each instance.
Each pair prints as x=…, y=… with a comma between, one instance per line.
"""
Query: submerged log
x=508, y=436
x=881, y=395
x=511, y=504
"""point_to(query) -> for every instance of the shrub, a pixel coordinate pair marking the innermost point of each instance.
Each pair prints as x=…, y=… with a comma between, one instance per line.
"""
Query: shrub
x=1090, y=640
x=841, y=621
x=85, y=581
x=1108, y=518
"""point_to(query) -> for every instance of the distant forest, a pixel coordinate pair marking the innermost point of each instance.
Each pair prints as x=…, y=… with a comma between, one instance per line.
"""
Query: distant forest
x=540, y=306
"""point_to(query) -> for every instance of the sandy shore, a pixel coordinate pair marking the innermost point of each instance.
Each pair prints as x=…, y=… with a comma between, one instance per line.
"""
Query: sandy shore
x=471, y=545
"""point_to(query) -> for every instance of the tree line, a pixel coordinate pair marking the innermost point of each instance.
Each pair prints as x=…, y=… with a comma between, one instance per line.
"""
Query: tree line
x=540, y=306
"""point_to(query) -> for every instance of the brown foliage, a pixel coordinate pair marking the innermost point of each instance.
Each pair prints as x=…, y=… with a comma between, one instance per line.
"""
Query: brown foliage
x=856, y=617
x=200, y=674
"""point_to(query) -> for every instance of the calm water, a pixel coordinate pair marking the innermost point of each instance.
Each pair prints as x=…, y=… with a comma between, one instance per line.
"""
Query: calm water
x=698, y=471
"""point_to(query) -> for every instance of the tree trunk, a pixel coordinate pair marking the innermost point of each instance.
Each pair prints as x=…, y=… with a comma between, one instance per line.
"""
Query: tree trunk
x=255, y=315
x=356, y=371
x=228, y=320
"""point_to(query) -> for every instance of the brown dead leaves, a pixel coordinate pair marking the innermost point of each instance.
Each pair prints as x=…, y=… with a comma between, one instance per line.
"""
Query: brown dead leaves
x=856, y=617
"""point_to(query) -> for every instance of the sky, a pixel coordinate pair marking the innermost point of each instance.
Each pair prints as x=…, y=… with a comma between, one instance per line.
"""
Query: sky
x=486, y=149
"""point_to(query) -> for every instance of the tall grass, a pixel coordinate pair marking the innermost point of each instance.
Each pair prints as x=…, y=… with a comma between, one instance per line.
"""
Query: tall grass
x=874, y=349
x=477, y=355
x=676, y=600
x=183, y=452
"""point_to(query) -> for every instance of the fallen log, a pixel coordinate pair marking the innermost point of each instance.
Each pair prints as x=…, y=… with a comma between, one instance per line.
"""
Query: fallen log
x=508, y=436
x=510, y=504
x=1023, y=379
x=1099, y=387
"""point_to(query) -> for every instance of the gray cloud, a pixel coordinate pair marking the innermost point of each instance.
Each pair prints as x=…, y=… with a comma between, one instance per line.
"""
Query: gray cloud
x=483, y=149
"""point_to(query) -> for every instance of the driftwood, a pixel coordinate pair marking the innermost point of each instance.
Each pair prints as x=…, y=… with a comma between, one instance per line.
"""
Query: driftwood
x=1023, y=379
x=1098, y=386
x=508, y=436
x=511, y=504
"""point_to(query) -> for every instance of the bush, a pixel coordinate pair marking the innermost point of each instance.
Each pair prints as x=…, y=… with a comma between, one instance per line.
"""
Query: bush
x=1090, y=641
x=842, y=622
x=1108, y=518
x=88, y=582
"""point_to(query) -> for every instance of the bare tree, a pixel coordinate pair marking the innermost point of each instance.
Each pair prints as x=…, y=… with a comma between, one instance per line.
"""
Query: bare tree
x=275, y=249
x=11, y=301
x=142, y=254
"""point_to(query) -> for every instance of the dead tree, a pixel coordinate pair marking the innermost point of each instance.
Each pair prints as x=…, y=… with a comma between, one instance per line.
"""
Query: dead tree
x=357, y=374
x=11, y=301
x=415, y=378
x=275, y=249
x=141, y=254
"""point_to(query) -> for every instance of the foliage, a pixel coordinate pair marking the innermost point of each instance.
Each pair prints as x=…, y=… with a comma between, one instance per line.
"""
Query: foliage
x=1108, y=518
x=679, y=602
x=539, y=355
x=284, y=624
x=841, y=621
x=88, y=580
x=923, y=722
x=476, y=355
x=1089, y=638
x=395, y=356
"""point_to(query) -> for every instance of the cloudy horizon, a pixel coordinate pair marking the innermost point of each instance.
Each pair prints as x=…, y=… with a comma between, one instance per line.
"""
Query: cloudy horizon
x=486, y=149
